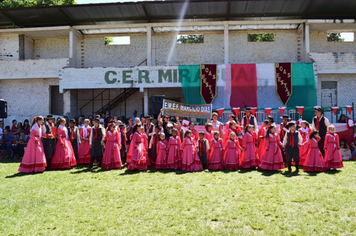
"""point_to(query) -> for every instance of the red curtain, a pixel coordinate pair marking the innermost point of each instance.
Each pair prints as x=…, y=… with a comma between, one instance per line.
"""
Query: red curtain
x=243, y=85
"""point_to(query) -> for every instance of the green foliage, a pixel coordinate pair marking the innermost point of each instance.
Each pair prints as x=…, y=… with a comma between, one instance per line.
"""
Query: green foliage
x=190, y=39
x=34, y=3
x=260, y=37
x=335, y=37
x=108, y=40
x=119, y=202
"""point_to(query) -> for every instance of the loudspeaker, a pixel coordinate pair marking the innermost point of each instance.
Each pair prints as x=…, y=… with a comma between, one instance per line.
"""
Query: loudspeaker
x=3, y=108
x=156, y=104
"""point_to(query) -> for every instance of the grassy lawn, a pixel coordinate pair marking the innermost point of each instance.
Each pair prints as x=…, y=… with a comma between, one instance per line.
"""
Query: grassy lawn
x=84, y=202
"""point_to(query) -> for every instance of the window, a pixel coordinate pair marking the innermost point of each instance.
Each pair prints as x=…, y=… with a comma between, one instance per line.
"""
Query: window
x=260, y=37
x=193, y=38
x=328, y=85
x=119, y=40
x=341, y=37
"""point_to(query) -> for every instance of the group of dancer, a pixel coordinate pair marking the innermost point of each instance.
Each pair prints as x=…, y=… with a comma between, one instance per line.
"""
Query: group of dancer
x=179, y=146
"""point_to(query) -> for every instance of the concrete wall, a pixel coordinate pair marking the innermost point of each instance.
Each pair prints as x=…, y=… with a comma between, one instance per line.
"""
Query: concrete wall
x=26, y=98
x=29, y=48
x=332, y=63
x=9, y=47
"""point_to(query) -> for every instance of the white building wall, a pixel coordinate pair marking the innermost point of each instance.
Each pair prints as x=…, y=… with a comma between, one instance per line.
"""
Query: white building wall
x=319, y=43
x=48, y=48
x=29, y=48
x=9, y=47
x=26, y=98
x=97, y=54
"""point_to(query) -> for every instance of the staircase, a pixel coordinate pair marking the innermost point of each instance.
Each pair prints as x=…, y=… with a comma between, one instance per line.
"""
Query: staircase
x=117, y=100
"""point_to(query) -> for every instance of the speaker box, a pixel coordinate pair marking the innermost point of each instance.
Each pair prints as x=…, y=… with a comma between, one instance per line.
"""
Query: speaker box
x=156, y=104
x=3, y=108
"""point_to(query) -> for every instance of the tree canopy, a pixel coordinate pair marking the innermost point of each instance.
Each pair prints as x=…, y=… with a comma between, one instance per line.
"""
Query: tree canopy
x=34, y=3
x=190, y=39
x=335, y=37
x=260, y=37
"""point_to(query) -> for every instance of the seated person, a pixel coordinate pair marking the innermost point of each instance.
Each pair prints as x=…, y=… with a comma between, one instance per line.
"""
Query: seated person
x=7, y=142
x=18, y=130
x=353, y=148
x=342, y=119
x=21, y=143
x=345, y=150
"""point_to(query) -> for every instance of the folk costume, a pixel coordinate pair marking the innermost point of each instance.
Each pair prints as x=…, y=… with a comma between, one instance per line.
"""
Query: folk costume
x=84, y=156
x=63, y=154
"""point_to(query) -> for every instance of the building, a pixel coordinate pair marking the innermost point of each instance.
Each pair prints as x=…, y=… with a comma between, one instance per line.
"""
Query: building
x=55, y=60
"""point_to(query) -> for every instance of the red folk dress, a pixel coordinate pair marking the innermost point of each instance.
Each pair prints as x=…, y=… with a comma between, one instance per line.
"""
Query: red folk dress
x=138, y=159
x=303, y=149
x=215, y=161
x=332, y=152
x=272, y=159
x=249, y=158
x=231, y=155
x=63, y=157
x=261, y=142
x=34, y=159
x=111, y=158
x=174, y=160
x=190, y=158
x=314, y=160
x=84, y=147
x=161, y=160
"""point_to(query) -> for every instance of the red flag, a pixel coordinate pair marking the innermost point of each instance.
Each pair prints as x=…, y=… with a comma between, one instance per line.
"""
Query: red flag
x=335, y=109
x=268, y=110
x=220, y=111
x=236, y=110
x=281, y=110
x=243, y=85
x=300, y=109
x=253, y=110
x=349, y=109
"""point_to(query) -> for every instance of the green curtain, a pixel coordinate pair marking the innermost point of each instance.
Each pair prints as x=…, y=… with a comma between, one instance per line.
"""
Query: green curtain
x=189, y=76
x=303, y=88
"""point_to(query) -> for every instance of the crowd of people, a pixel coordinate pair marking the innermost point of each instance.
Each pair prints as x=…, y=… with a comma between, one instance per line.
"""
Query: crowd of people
x=171, y=143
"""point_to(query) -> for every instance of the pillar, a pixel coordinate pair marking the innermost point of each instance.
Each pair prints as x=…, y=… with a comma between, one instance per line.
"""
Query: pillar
x=145, y=101
x=149, y=46
x=72, y=49
x=306, y=42
x=226, y=43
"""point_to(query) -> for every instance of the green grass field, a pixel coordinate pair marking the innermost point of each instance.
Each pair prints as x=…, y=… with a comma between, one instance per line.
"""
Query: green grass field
x=85, y=202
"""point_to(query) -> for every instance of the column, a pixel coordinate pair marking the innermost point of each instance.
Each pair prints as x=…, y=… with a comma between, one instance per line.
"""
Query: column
x=149, y=46
x=72, y=49
x=66, y=102
x=145, y=101
x=306, y=42
x=226, y=43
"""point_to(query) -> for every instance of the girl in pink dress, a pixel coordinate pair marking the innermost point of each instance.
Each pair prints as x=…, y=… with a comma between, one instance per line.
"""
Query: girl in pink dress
x=138, y=160
x=190, y=158
x=63, y=157
x=84, y=147
x=215, y=161
x=305, y=131
x=111, y=158
x=314, y=160
x=272, y=159
x=174, y=160
x=231, y=155
x=262, y=139
x=249, y=157
x=34, y=159
x=161, y=159
x=208, y=134
x=232, y=127
x=195, y=133
x=145, y=148
x=332, y=150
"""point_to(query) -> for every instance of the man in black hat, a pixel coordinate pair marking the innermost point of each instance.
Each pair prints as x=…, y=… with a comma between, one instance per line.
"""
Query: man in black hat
x=74, y=137
x=291, y=142
x=96, y=136
x=283, y=129
x=123, y=150
x=48, y=139
x=321, y=124
x=249, y=119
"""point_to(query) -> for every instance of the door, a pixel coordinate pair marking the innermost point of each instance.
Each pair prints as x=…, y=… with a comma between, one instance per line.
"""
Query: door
x=328, y=93
x=56, y=99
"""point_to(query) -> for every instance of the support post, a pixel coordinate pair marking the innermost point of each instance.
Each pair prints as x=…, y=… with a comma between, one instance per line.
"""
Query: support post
x=306, y=42
x=149, y=46
x=226, y=43
x=72, y=49
x=145, y=101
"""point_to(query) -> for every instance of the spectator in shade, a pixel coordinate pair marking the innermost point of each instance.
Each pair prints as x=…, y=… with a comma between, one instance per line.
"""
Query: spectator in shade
x=14, y=126
x=342, y=119
x=18, y=129
x=1, y=129
x=6, y=144
x=353, y=149
x=345, y=150
x=21, y=143
x=26, y=127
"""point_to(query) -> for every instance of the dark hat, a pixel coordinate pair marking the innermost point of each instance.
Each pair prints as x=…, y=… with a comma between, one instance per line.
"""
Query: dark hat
x=121, y=126
x=318, y=109
x=49, y=117
x=148, y=117
x=248, y=109
x=291, y=123
x=201, y=132
x=285, y=117
x=96, y=120
x=72, y=120
x=135, y=112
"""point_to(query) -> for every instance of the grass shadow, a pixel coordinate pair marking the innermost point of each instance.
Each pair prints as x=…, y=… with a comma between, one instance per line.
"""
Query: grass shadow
x=332, y=172
x=20, y=174
x=242, y=171
x=86, y=169
x=269, y=172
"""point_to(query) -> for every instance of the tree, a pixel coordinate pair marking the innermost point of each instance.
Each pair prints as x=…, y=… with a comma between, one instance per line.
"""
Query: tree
x=34, y=3
x=108, y=40
x=335, y=37
x=260, y=37
x=190, y=39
